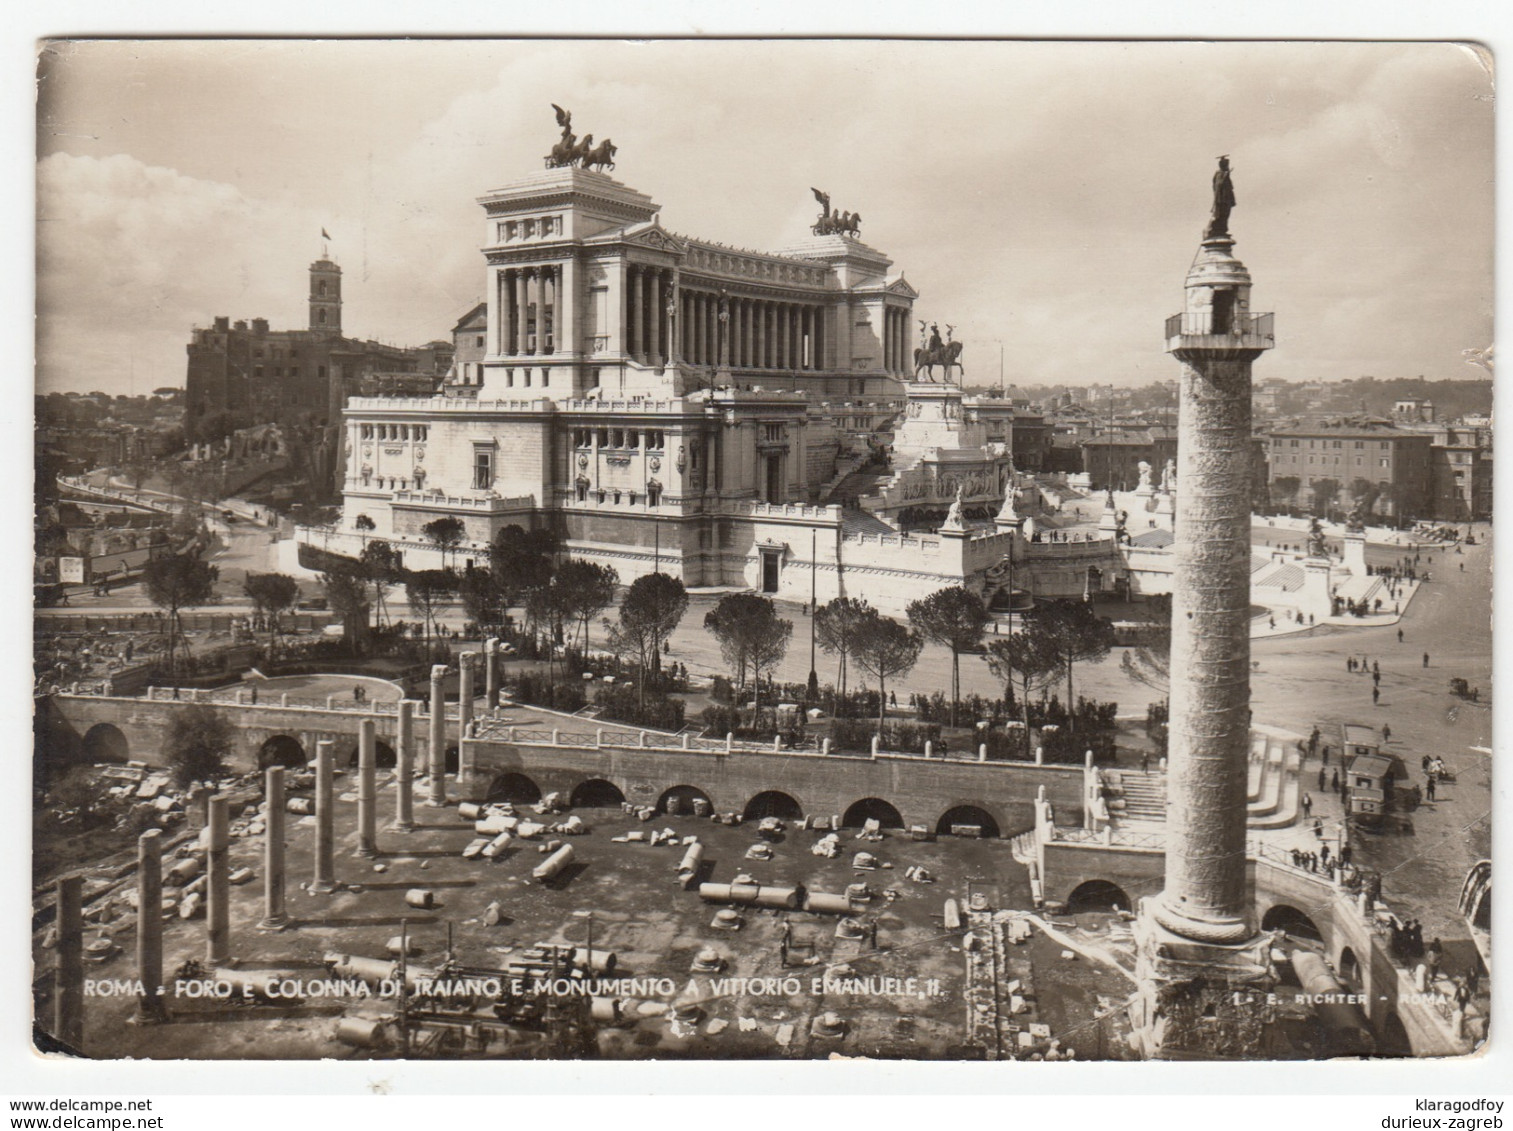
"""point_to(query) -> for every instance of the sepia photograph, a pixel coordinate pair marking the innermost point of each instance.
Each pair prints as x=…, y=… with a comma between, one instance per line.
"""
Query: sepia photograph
x=762, y=550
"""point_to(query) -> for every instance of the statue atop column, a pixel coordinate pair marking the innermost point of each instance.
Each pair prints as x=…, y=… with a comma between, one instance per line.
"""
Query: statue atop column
x=1224, y=200
x=1145, y=478
x=1356, y=522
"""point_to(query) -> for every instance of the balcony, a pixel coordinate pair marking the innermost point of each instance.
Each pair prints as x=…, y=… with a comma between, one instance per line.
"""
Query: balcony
x=1196, y=330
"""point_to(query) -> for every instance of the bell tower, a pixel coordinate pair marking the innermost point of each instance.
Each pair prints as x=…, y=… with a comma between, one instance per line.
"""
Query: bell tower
x=325, y=297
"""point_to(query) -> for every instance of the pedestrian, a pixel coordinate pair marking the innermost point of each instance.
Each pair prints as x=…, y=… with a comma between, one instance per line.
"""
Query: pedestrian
x=1334, y=781
x=1145, y=762
x=1433, y=953
x=1307, y=805
x=1324, y=855
x=1376, y=668
x=1429, y=786
x=1345, y=853
x=1326, y=754
x=1313, y=741
x=1426, y=659
x=1376, y=679
x=1318, y=827
x=1376, y=695
x=1350, y=664
x=1321, y=777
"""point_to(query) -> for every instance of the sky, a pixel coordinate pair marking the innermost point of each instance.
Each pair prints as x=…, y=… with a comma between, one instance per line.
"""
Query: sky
x=1045, y=199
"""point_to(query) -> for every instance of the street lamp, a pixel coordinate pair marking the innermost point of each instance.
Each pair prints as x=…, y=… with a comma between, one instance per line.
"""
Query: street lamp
x=814, y=549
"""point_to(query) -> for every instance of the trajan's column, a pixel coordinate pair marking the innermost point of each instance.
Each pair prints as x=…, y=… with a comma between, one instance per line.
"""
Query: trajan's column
x=1202, y=965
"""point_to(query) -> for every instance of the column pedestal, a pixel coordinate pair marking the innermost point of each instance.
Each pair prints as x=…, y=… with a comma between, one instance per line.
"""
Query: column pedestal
x=1200, y=1001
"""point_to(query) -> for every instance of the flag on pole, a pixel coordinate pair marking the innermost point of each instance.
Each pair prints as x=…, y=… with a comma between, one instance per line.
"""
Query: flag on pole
x=325, y=235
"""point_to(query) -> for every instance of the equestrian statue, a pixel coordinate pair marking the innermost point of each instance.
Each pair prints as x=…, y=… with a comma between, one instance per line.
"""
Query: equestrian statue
x=933, y=352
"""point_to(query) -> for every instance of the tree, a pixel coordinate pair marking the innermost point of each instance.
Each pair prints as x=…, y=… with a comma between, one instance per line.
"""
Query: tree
x=836, y=625
x=447, y=532
x=1284, y=489
x=1325, y=492
x=366, y=526
x=1074, y=633
x=179, y=581
x=380, y=565
x=955, y=618
x=426, y=589
x=200, y=741
x=1366, y=492
x=521, y=559
x=1027, y=656
x=272, y=595
x=347, y=594
x=1149, y=659
x=587, y=589
x=481, y=597
x=651, y=610
x=884, y=649
x=751, y=634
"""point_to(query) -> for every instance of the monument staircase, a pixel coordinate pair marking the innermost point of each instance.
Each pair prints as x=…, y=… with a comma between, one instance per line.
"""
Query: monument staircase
x=1286, y=576
x=849, y=491
x=845, y=465
x=1273, y=790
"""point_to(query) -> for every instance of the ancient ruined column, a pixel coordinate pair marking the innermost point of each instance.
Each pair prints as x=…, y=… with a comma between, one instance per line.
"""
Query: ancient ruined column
x=367, y=788
x=325, y=821
x=491, y=672
x=150, y=924
x=466, y=663
x=68, y=973
x=404, y=816
x=438, y=736
x=274, y=916
x=218, y=883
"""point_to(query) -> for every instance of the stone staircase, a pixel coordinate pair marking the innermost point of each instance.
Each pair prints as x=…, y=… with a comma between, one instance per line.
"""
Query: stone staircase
x=1144, y=796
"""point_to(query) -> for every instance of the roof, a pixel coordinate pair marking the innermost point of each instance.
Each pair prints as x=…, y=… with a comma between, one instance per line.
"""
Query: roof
x=1371, y=765
x=1359, y=734
x=479, y=311
x=1153, y=539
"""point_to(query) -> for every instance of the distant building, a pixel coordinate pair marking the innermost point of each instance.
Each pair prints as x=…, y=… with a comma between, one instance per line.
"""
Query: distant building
x=1391, y=466
x=1462, y=475
x=1112, y=461
x=243, y=374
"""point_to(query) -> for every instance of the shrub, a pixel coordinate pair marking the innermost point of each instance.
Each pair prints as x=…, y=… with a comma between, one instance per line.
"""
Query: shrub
x=621, y=702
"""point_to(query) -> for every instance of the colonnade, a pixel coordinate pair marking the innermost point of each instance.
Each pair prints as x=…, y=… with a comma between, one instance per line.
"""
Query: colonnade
x=753, y=333
x=898, y=359
x=528, y=305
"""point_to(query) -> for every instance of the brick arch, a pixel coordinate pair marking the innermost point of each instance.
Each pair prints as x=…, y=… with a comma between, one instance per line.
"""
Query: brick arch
x=773, y=803
x=1286, y=917
x=596, y=793
x=105, y=742
x=676, y=800
x=968, y=814
x=281, y=750
x=876, y=809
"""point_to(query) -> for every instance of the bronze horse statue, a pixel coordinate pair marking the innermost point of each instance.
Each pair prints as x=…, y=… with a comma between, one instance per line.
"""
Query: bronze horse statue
x=602, y=156
x=946, y=355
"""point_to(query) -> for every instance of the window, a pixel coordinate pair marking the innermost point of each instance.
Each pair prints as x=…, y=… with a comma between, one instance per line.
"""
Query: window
x=774, y=432
x=632, y=438
x=479, y=342
x=483, y=467
x=1359, y=444
x=1385, y=462
x=1293, y=443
